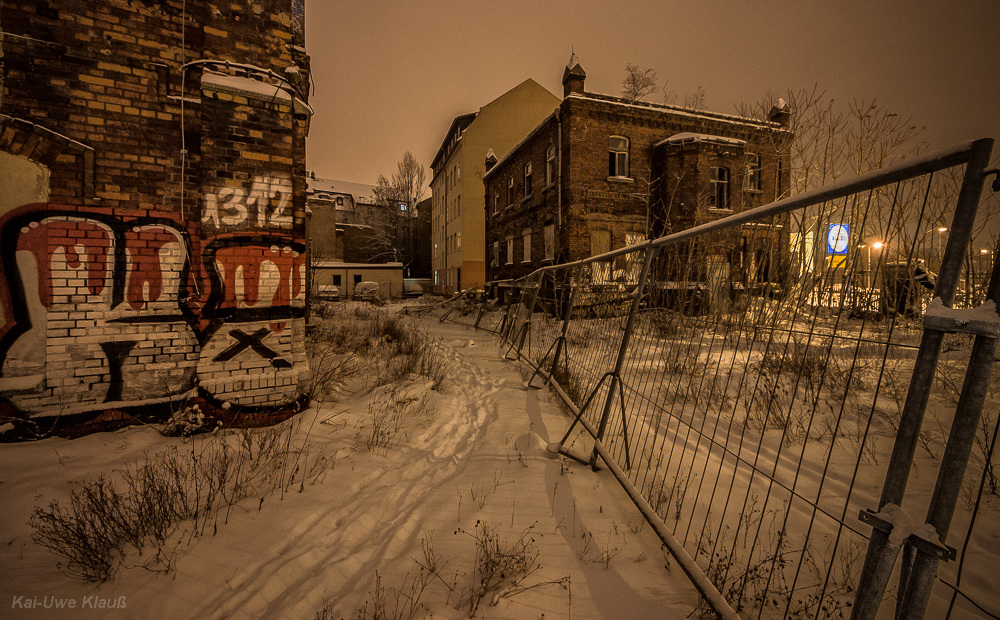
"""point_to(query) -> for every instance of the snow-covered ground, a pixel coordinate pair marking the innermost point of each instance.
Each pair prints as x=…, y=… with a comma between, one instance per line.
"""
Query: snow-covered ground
x=760, y=443
x=461, y=480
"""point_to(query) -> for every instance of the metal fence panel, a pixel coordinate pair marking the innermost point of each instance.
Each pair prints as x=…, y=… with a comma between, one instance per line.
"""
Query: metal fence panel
x=760, y=388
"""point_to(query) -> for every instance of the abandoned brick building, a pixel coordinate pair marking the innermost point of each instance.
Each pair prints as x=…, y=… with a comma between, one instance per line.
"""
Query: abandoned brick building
x=602, y=172
x=152, y=216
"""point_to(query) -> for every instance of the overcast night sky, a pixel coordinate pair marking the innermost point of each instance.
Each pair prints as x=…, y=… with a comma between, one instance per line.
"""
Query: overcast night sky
x=390, y=76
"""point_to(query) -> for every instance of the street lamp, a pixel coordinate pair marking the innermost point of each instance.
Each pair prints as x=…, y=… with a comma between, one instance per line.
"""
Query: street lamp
x=983, y=271
x=941, y=229
x=877, y=246
x=868, y=264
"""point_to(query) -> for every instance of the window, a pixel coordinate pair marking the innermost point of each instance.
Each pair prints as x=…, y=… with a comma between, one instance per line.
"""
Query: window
x=778, y=191
x=336, y=279
x=402, y=206
x=526, y=235
x=458, y=206
x=600, y=242
x=496, y=254
x=752, y=180
x=718, y=197
x=549, y=233
x=550, y=165
x=496, y=202
x=527, y=179
x=510, y=250
x=458, y=240
x=618, y=157
x=510, y=191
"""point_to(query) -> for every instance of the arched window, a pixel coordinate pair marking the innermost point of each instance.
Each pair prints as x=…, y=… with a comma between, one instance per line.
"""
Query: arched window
x=617, y=156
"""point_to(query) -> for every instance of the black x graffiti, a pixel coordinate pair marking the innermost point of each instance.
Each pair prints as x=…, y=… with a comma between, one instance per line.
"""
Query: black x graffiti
x=253, y=341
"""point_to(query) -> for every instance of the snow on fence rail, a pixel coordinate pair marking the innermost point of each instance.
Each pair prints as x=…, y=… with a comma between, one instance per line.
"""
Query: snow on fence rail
x=769, y=397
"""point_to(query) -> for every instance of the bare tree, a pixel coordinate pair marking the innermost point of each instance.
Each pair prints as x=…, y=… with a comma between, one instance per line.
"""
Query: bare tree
x=407, y=184
x=638, y=83
x=696, y=101
x=393, y=219
x=829, y=140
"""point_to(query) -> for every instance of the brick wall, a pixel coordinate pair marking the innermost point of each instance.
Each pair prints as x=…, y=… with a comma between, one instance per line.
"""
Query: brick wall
x=532, y=211
x=169, y=262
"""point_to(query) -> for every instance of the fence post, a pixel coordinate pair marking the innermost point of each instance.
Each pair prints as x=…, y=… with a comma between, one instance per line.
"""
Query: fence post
x=574, y=279
x=916, y=594
x=524, y=331
x=510, y=332
x=504, y=326
x=622, y=351
x=881, y=555
x=482, y=308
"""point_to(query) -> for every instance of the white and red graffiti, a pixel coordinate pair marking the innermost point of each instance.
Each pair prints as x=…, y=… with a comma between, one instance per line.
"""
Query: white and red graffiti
x=98, y=311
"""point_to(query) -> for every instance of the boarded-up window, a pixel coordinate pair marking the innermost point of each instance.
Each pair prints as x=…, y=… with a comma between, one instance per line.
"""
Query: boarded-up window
x=550, y=241
x=600, y=242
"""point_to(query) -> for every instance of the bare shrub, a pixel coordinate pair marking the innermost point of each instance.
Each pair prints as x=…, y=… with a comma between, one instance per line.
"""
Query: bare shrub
x=664, y=323
x=395, y=603
x=138, y=507
x=500, y=564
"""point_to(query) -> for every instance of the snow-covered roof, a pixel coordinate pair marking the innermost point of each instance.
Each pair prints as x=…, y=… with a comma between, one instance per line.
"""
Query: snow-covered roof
x=326, y=189
x=676, y=110
x=687, y=137
x=250, y=87
x=332, y=264
x=458, y=126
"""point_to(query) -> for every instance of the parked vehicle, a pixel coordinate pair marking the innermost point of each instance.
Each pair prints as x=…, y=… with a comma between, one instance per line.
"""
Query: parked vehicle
x=414, y=287
x=367, y=291
x=328, y=292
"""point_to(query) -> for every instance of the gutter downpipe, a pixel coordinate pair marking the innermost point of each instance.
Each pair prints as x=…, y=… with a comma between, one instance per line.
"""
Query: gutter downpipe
x=559, y=186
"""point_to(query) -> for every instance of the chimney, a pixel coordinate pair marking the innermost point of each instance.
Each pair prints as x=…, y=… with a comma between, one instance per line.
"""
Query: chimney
x=491, y=160
x=780, y=113
x=573, y=80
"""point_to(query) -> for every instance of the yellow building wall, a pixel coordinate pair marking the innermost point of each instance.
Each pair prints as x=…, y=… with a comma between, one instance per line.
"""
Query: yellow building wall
x=500, y=125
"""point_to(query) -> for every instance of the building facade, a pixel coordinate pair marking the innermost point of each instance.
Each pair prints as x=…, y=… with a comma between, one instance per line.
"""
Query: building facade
x=457, y=218
x=153, y=213
x=602, y=172
x=338, y=219
x=347, y=223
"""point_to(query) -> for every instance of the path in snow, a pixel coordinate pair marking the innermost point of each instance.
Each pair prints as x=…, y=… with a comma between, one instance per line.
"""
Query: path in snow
x=480, y=457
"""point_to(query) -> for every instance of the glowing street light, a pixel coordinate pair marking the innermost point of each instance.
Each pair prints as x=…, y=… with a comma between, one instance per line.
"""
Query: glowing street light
x=938, y=250
x=868, y=261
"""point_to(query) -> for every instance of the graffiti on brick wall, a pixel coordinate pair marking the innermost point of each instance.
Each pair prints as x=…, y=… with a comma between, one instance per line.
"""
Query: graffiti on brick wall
x=266, y=203
x=94, y=312
x=102, y=309
x=255, y=350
